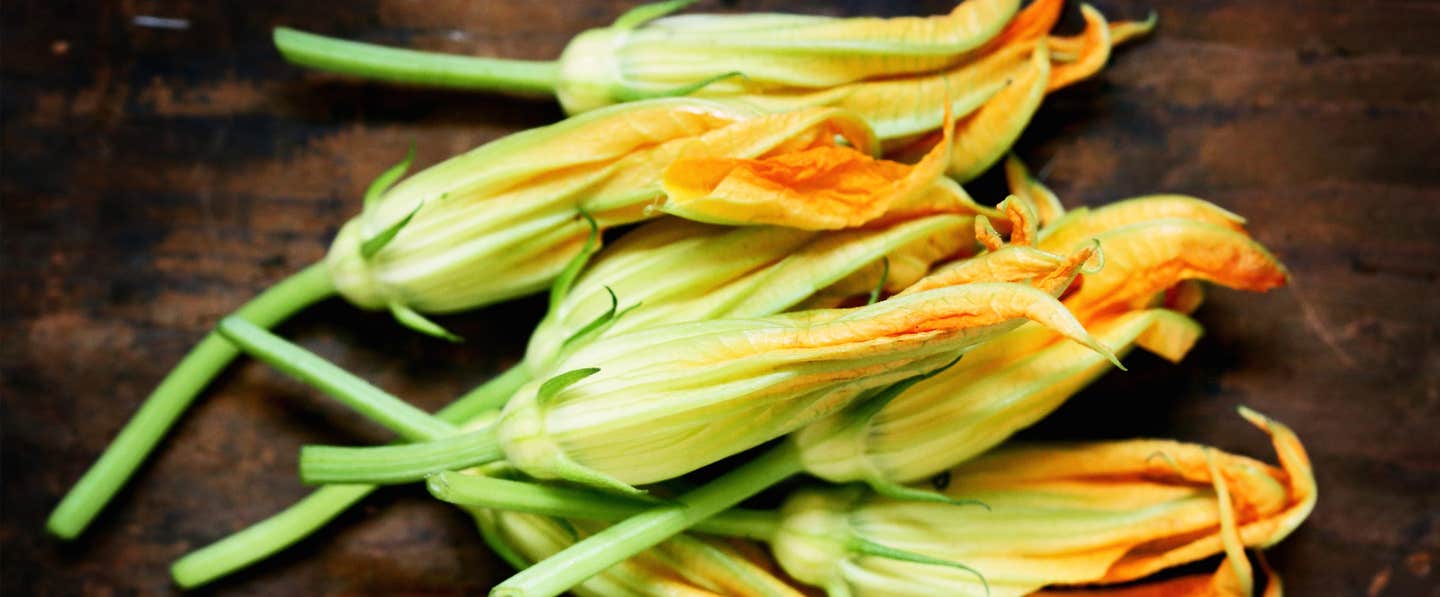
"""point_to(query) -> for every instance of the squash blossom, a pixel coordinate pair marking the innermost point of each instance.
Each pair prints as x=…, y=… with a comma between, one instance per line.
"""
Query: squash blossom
x=1015, y=380
x=521, y=208
x=667, y=389
x=1063, y=514
x=983, y=60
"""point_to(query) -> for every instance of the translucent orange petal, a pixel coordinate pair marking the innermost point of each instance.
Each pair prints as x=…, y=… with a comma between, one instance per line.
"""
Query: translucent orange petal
x=1144, y=259
x=1092, y=55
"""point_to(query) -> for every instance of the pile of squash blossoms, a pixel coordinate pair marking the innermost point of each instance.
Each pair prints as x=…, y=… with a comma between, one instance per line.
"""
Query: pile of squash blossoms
x=794, y=283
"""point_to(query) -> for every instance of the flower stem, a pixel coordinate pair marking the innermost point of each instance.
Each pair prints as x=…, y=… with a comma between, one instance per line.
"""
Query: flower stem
x=395, y=414
x=400, y=463
x=262, y=539
x=558, y=573
x=179, y=388
x=372, y=61
x=587, y=504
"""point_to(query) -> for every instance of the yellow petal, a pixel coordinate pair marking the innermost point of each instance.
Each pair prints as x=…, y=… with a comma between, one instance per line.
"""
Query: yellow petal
x=1083, y=224
x=983, y=137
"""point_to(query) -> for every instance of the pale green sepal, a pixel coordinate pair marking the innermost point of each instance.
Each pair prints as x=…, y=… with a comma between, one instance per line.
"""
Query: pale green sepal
x=863, y=546
x=554, y=385
x=570, y=470
x=567, y=276
x=411, y=319
x=388, y=178
x=625, y=94
x=598, y=322
x=372, y=245
x=896, y=491
x=872, y=405
x=645, y=13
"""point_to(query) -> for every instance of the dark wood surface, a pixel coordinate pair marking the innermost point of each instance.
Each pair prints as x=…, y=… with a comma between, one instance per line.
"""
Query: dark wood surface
x=153, y=178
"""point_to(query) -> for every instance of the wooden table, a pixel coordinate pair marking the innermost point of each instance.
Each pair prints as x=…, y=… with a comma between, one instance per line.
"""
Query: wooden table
x=158, y=172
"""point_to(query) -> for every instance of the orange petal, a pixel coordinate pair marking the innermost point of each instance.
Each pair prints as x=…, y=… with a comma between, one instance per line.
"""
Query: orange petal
x=1122, y=32
x=986, y=235
x=1032, y=22
x=1144, y=259
x=1091, y=57
x=821, y=188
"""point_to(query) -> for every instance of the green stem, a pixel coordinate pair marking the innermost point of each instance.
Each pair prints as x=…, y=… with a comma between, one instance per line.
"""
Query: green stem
x=371, y=61
x=402, y=463
x=395, y=414
x=561, y=571
x=266, y=537
x=179, y=388
x=273, y=534
x=587, y=504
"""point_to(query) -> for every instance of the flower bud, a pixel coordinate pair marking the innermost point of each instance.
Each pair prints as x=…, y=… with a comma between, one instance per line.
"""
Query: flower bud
x=699, y=392
x=1062, y=514
x=511, y=208
x=635, y=58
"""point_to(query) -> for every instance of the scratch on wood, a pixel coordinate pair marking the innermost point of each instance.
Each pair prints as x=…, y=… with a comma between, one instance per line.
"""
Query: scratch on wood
x=1313, y=321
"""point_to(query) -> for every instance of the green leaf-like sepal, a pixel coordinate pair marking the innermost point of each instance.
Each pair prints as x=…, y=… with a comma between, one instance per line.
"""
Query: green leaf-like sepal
x=567, y=276
x=388, y=178
x=573, y=471
x=626, y=94
x=414, y=320
x=866, y=410
x=372, y=245
x=896, y=491
x=645, y=13
x=554, y=385
x=880, y=286
x=866, y=547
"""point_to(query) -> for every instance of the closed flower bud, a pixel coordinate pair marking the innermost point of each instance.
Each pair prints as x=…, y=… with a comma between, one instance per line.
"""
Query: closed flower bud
x=702, y=391
x=511, y=209
x=982, y=59
x=1065, y=514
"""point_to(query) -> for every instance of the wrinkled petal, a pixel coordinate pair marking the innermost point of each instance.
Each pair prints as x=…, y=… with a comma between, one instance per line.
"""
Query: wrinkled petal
x=1144, y=259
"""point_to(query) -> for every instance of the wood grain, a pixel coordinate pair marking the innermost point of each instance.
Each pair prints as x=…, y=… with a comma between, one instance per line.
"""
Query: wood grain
x=154, y=178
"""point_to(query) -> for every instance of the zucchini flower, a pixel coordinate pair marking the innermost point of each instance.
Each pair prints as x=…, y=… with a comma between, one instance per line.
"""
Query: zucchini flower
x=517, y=208
x=983, y=60
x=1066, y=514
x=668, y=388
x=644, y=56
x=1014, y=381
